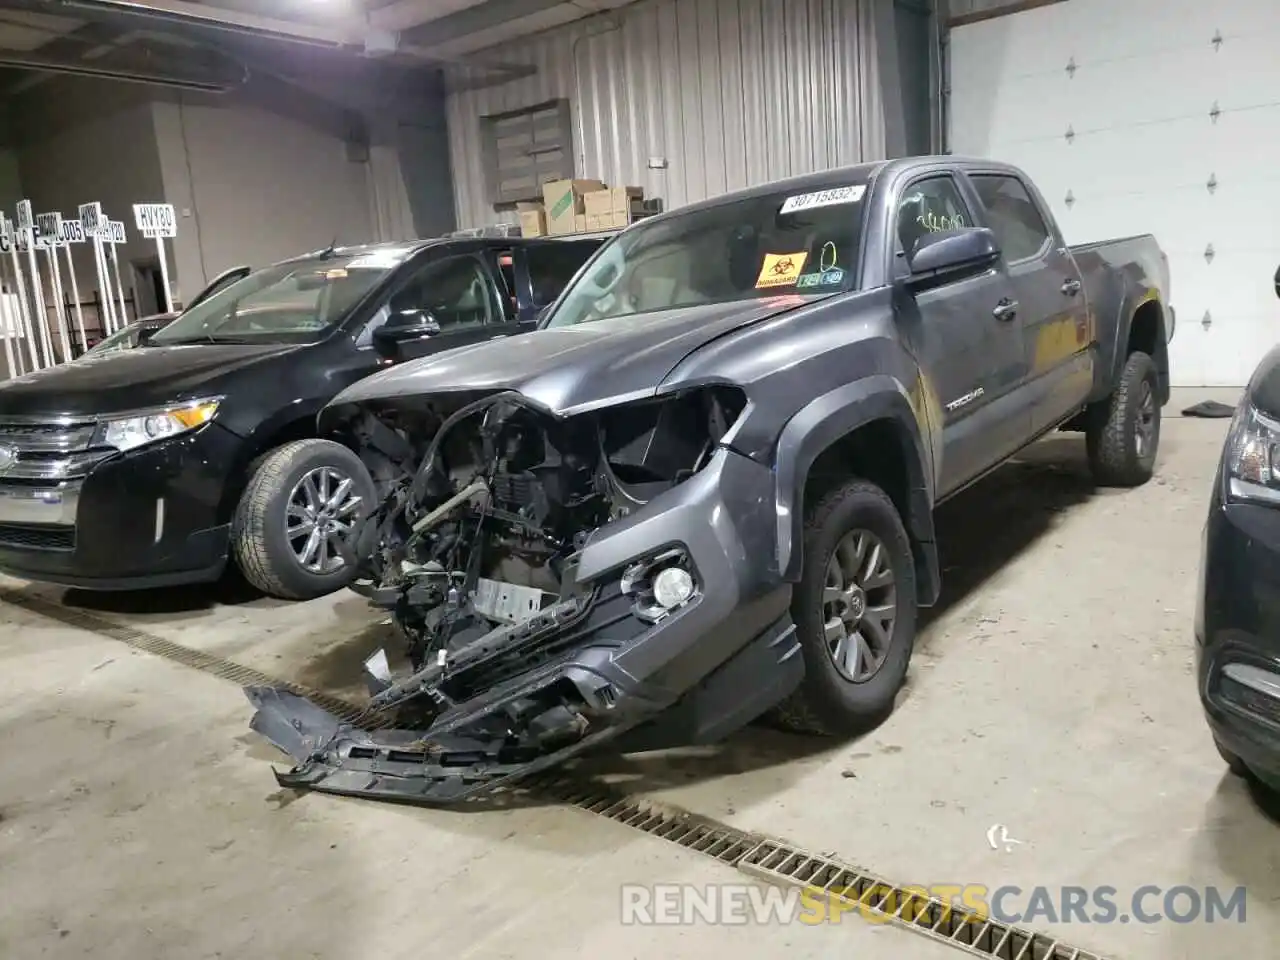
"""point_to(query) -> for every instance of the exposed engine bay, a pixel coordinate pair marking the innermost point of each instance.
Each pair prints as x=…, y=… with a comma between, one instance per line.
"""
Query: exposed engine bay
x=484, y=532
x=488, y=503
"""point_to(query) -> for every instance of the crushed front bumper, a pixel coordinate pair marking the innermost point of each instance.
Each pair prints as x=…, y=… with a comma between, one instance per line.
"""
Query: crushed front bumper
x=697, y=675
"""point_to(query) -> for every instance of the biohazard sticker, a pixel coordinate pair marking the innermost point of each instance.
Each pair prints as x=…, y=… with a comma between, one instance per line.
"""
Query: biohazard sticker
x=781, y=269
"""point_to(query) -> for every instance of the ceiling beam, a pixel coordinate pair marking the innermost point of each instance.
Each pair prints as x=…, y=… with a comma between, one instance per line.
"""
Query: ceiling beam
x=400, y=15
x=474, y=19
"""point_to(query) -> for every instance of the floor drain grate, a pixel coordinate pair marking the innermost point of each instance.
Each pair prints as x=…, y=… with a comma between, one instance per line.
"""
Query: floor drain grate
x=185, y=656
x=856, y=890
x=689, y=830
x=781, y=864
x=767, y=859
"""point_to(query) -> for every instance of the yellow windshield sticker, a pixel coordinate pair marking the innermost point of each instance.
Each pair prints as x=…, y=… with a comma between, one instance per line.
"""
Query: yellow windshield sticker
x=781, y=269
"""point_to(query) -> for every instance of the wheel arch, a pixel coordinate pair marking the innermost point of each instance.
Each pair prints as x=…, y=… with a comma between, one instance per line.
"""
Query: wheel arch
x=868, y=429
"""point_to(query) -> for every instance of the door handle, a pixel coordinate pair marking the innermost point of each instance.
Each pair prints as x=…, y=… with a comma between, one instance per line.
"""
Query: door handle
x=1071, y=287
x=1006, y=309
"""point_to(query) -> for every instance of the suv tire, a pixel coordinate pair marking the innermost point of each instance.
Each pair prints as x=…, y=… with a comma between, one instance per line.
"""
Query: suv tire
x=301, y=501
x=854, y=527
x=1123, y=432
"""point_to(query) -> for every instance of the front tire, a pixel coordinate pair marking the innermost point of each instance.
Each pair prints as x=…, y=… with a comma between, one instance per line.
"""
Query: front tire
x=303, y=500
x=855, y=613
x=1123, y=433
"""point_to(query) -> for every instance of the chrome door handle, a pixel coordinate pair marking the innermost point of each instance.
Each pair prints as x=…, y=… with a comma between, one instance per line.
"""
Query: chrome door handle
x=1006, y=309
x=1071, y=287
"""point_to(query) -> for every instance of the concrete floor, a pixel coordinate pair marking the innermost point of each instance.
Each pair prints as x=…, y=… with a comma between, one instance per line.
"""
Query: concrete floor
x=1051, y=693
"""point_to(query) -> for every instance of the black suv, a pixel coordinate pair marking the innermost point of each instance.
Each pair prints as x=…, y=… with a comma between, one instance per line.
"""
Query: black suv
x=154, y=465
x=1237, y=623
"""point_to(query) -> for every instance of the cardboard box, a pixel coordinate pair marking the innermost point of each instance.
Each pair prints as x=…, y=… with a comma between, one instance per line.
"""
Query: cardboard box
x=602, y=203
x=533, y=219
x=579, y=223
x=563, y=202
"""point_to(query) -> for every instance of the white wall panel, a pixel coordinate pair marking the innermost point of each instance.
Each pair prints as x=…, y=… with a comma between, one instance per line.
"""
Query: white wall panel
x=1139, y=102
x=730, y=92
x=258, y=187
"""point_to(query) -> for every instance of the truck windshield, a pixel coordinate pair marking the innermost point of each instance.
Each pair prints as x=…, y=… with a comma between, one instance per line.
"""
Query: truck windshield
x=295, y=302
x=795, y=242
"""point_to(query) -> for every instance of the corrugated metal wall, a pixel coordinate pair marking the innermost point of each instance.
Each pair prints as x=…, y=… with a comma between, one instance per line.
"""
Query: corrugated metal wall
x=729, y=92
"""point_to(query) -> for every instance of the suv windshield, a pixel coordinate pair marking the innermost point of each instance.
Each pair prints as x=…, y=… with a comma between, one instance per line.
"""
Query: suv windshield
x=295, y=302
x=122, y=339
x=789, y=242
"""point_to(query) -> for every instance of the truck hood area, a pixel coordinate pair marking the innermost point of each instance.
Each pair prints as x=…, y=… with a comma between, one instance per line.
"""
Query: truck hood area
x=569, y=369
x=129, y=379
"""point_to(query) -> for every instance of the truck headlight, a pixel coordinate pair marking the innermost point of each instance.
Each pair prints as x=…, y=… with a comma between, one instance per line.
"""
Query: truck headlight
x=146, y=426
x=1253, y=453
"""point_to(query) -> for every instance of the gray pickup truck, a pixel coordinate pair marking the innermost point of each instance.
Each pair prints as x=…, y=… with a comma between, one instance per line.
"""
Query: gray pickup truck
x=704, y=488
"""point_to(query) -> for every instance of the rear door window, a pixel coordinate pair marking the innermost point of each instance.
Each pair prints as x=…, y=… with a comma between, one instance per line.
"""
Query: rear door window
x=1012, y=216
x=553, y=264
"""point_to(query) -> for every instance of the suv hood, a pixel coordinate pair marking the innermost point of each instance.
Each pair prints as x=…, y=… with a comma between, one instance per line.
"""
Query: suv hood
x=129, y=379
x=570, y=369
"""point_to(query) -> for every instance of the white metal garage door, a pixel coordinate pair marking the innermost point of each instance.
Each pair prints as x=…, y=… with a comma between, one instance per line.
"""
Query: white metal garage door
x=1147, y=116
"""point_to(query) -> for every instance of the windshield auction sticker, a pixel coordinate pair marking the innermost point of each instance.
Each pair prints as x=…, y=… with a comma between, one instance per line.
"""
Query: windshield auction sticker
x=823, y=198
x=781, y=269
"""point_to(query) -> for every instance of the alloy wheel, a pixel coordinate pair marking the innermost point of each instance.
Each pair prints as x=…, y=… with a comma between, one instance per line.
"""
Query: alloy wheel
x=859, y=605
x=321, y=515
x=1148, y=425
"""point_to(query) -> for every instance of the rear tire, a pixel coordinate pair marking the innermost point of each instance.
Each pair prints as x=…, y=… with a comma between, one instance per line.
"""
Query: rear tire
x=1123, y=431
x=848, y=618
x=302, y=500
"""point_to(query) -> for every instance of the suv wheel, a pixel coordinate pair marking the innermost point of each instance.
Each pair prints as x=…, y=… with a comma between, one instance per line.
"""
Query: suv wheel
x=302, y=504
x=855, y=613
x=1123, y=433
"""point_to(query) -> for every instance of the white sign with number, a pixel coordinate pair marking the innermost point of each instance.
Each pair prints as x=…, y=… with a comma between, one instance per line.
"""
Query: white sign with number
x=73, y=231
x=25, y=220
x=155, y=219
x=48, y=230
x=115, y=232
x=91, y=217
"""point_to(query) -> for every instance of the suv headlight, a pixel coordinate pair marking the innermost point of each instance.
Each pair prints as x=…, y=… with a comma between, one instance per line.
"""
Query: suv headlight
x=146, y=426
x=1253, y=455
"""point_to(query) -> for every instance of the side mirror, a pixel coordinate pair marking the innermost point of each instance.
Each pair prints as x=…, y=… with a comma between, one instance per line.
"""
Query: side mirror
x=1277, y=281
x=405, y=325
x=948, y=253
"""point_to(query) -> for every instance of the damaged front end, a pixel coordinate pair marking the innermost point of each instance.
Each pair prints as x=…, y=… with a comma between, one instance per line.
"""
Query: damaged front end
x=561, y=582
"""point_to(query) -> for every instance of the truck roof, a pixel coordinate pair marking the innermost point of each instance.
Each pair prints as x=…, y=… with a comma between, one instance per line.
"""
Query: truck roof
x=853, y=175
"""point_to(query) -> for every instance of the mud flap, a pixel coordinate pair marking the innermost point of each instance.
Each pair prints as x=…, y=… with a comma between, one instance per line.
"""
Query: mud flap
x=410, y=766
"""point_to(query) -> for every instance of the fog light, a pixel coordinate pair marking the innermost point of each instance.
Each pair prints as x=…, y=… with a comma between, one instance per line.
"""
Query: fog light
x=659, y=584
x=672, y=587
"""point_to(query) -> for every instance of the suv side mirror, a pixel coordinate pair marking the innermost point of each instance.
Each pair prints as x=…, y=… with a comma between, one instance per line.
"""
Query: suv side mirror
x=405, y=325
x=942, y=255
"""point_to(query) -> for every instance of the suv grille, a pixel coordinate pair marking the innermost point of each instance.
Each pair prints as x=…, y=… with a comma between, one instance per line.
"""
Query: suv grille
x=49, y=451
